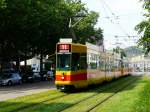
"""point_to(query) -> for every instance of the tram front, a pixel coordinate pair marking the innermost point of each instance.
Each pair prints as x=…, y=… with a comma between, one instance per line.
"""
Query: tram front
x=63, y=66
x=70, y=66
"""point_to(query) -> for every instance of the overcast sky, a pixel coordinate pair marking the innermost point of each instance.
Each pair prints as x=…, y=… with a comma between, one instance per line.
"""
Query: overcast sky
x=117, y=18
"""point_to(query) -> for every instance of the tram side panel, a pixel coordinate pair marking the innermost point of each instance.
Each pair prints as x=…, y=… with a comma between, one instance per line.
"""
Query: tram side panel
x=79, y=69
x=95, y=75
x=95, y=65
x=109, y=67
x=100, y=67
x=125, y=69
x=117, y=68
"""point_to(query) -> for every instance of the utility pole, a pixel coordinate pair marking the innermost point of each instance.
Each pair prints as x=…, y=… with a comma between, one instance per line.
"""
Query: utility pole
x=72, y=31
x=71, y=26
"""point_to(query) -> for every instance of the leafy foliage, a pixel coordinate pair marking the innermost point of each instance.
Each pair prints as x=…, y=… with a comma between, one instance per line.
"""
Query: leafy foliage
x=146, y=4
x=144, y=28
x=120, y=51
x=86, y=30
x=33, y=27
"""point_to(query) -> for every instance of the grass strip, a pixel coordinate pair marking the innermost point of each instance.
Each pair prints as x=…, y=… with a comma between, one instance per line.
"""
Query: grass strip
x=143, y=102
x=69, y=100
x=27, y=97
x=123, y=101
x=29, y=101
x=93, y=101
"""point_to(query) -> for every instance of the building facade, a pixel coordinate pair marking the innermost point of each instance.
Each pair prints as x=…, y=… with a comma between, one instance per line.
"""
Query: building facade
x=140, y=64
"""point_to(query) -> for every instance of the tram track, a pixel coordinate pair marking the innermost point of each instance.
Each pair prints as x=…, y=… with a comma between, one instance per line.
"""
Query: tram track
x=110, y=96
x=98, y=91
x=4, y=104
x=34, y=104
x=22, y=108
x=105, y=98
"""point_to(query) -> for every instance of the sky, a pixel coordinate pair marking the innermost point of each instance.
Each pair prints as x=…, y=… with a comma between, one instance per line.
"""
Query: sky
x=118, y=19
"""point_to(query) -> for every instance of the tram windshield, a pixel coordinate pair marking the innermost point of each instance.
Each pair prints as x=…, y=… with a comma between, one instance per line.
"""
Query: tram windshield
x=63, y=61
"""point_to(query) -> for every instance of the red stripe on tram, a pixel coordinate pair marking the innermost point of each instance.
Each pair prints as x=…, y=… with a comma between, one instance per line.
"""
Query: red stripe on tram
x=75, y=77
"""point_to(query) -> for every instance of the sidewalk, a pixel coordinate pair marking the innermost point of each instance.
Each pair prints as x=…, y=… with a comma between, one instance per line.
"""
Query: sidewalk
x=7, y=92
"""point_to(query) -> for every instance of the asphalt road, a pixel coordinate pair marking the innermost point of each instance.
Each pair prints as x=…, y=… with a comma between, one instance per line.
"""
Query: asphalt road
x=8, y=92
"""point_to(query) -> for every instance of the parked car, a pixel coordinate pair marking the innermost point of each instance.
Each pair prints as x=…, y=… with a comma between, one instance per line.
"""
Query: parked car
x=10, y=78
x=31, y=77
x=43, y=75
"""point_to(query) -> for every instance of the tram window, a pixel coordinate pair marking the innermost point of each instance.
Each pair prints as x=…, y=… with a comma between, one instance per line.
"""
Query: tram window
x=111, y=65
x=93, y=65
x=83, y=64
x=102, y=64
x=63, y=61
x=107, y=65
x=75, y=61
x=88, y=58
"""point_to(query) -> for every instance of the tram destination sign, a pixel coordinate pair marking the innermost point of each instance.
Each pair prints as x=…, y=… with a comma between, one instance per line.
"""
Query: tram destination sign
x=63, y=48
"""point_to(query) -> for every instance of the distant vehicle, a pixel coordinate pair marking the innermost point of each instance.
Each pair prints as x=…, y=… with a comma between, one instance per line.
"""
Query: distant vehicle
x=10, y=78
x=43, y=75
x=31, y=77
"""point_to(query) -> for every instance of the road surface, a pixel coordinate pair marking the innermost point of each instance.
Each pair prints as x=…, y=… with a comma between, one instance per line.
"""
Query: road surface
x=8, y=92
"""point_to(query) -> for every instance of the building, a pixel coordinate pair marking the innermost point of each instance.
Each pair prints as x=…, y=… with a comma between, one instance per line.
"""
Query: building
x=34, y=63
x=140, y=64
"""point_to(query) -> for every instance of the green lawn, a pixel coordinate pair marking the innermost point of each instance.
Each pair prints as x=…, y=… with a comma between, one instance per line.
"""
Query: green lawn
x=71, y=99
x=13, y=104
x=134, y=98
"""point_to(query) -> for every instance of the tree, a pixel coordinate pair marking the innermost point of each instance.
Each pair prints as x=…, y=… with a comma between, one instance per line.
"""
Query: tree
x=144, y=28
x=2, y=4
x=28, y=23
x=27, y=27
x=120, y=51
x=31, y=27
x=146, y=4
x=86, y=31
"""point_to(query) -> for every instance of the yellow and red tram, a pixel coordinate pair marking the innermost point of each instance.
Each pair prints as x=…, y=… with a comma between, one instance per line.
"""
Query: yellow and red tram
x=78, y=66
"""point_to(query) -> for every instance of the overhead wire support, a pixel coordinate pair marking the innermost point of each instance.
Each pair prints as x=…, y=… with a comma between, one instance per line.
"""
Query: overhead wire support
x=71, y=26
x=114, y=17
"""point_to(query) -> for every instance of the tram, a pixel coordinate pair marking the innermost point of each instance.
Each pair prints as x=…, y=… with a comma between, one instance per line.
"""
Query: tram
x=78, y=66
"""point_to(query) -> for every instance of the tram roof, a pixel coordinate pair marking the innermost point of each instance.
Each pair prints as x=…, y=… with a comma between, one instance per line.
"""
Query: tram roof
x=76, y=47
x=71, y=43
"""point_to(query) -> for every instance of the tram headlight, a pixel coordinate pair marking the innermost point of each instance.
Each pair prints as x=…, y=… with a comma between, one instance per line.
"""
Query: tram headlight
x=62, y=77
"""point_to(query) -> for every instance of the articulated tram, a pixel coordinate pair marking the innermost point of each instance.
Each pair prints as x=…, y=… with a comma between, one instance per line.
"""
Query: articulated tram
x=78, y=66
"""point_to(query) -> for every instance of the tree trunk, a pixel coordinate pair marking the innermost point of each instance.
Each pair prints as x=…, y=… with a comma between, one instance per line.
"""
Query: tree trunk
x=18, y=64
x=25, y=62
x=41, y=62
